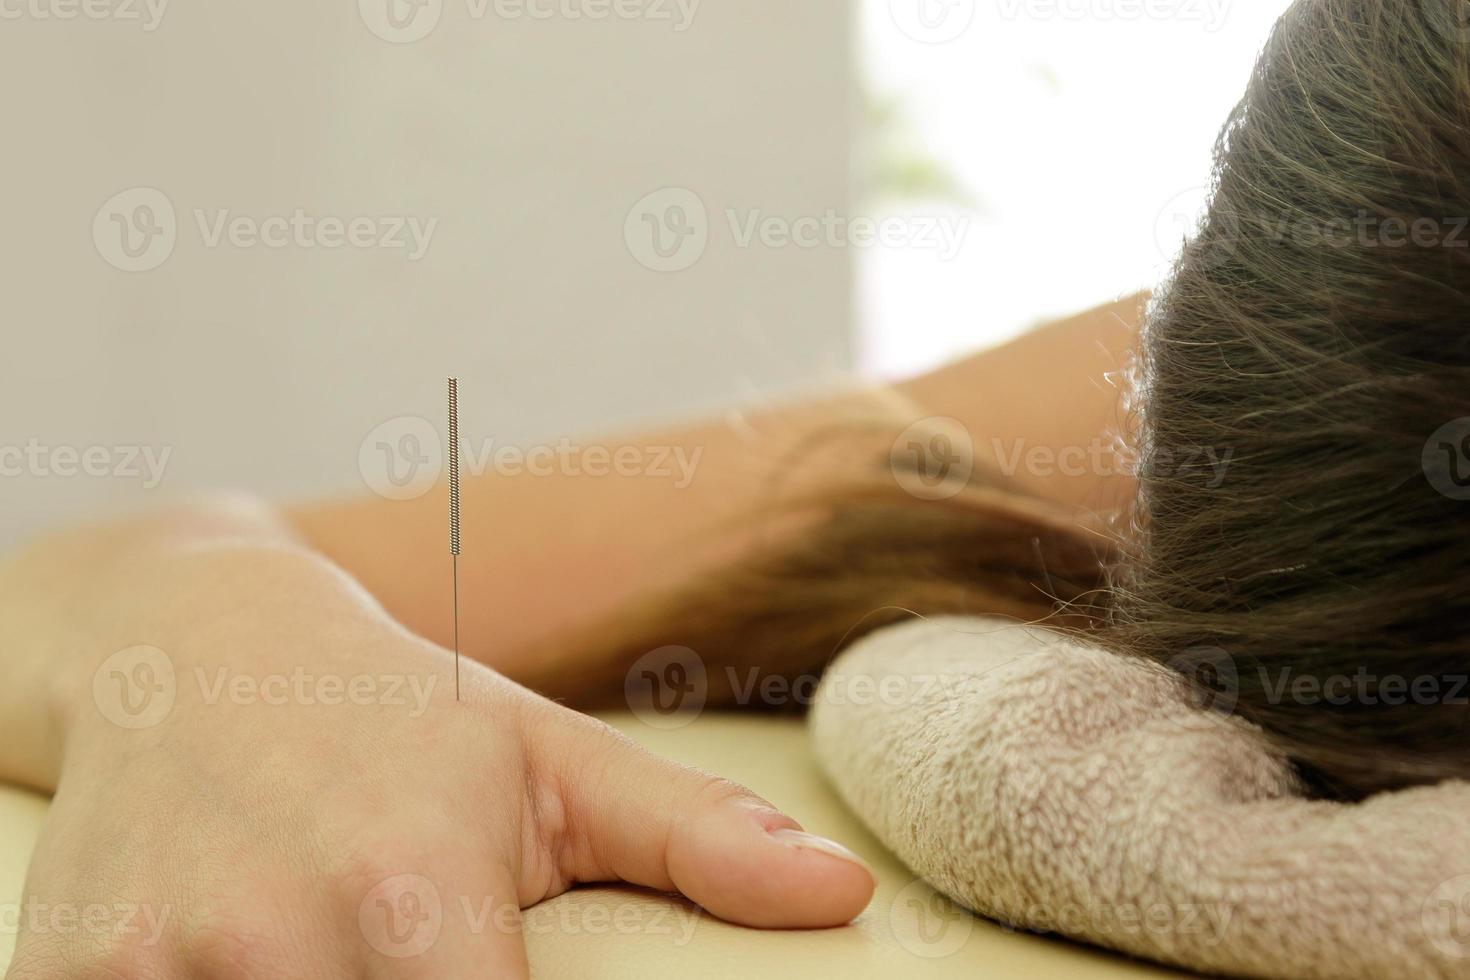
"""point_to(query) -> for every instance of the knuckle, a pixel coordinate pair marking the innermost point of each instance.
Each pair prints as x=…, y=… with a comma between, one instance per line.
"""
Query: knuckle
x=132, y=954
x=391, y=855
x=226, y=953
x=121, y=959
x=715, y=791
x=245, y=938
x=83, y=939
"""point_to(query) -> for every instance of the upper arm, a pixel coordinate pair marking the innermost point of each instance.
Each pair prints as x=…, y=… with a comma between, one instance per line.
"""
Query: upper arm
x=1046, y=408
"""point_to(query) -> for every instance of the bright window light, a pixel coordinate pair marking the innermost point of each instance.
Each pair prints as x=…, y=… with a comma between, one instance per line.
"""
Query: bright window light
x=1033, y=157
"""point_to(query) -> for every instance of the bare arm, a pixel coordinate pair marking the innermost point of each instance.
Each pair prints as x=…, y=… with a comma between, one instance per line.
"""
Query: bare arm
x=547, y=555
x=245, y=748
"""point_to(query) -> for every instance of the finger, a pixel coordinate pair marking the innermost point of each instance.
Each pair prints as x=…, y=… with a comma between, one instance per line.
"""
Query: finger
x=452, y=924
x=633, y=816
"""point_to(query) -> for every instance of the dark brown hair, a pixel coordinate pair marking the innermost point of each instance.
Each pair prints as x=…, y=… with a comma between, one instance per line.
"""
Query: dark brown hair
x=1318, y=325
x=1315, y=332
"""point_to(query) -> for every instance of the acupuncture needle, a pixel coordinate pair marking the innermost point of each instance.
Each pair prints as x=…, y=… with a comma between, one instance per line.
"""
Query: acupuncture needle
x=454, y=514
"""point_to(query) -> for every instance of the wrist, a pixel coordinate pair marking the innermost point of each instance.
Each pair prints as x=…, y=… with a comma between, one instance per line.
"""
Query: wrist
x=201, y=625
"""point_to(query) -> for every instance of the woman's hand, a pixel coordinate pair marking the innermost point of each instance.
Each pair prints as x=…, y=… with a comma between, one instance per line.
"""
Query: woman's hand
x=285, y=787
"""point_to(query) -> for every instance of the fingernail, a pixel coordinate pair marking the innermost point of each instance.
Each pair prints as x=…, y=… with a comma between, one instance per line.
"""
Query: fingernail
x=811, y=842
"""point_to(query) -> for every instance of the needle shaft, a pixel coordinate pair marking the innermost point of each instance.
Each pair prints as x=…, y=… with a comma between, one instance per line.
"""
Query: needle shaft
x=454, y=514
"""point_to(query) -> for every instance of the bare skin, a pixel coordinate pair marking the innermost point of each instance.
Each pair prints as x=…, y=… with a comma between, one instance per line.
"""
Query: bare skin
x=273, y=807
x=546, y=560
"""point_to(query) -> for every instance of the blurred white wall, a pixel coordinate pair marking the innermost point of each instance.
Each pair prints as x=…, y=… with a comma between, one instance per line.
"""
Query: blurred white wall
x=1078, y=133
x=516, y=135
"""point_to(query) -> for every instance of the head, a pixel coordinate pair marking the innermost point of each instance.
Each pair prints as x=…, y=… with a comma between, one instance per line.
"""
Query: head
x=1316, y=330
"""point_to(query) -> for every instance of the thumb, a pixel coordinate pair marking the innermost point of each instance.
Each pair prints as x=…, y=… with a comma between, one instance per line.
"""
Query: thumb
x=635, y=817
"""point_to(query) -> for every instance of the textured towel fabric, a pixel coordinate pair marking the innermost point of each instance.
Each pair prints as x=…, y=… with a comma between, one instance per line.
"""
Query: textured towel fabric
x=1059, y=788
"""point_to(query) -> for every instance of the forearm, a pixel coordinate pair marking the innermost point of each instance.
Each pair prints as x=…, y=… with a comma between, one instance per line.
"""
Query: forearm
x=1046, y=409
x=545, y=555
x=222, y=584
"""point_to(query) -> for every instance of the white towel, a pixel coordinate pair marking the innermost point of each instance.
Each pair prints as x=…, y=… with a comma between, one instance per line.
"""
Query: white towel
x=1060, y=788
